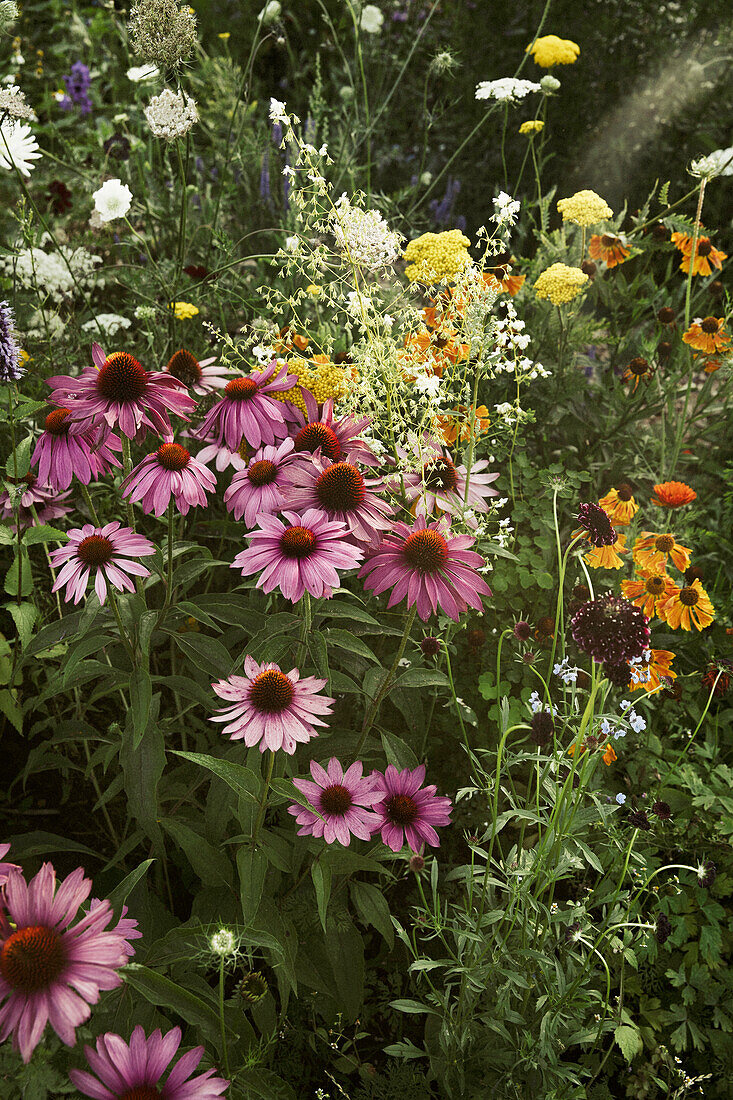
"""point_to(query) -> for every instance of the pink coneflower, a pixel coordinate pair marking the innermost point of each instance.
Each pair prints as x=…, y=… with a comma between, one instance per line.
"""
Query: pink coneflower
x=118, y=392
x=246, y=412
x=30, y=495
x=105, y=550
x=5, y=867
x=222, y=456
x=62, y=456
x=122, y=1072
x=169, y=472
x=440, y=485
x=51, y=970
x=432, y=570
x=339, y=799
x=270, y=707
x=259, y=487
x=337, y=439
x=409, y=811
x=198, y=375
x=127, y=927
x=340, y=492
x=298, y=554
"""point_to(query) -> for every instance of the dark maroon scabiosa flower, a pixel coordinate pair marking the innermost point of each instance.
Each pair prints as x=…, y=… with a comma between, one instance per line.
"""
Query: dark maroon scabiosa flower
x=59, y=197
x=707, y=873
x=663, y=929
x=430, y=646
x=717, y=676
x=592, y=519
x=638, y=820
x=610, y=629
x=662, y=810
x=197, y=272
x=619, y=675
x=522, y=631
x=542, y=728
x=117, y=146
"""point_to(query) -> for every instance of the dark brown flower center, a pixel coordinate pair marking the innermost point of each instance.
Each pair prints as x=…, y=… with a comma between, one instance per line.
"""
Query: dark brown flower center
x=666, y=315
x=710, y=325
x=185, y=367
x=263, y=472
x=400, y=809
x=121, y=378
x=426, y=551
x=689, y=596
x=316, y=435
x=95, y=550
x=704, y=246
x=171, y=456
x=336, y=800
x=241, y=389
x=271, y=692
x=141, y=1092
x=654, y=585
x=341, y=488
x=57, y=422
x=32, y=958
x=638, y=365
x=298, y=542
x=664, y=543
x=440, y=473
x=609, y=242
x=624, y=492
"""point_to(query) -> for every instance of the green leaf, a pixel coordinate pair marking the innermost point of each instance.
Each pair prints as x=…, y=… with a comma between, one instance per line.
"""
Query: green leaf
x=344, y=640
x=211, y=865
x=206, y=653
x=24, y=616
x=145, y=628
x=263, y=1084
x=119, y=895
x=9, y=707
x=421, y=678
x=142, y=767
x=413, y=1007
x=164, y=993
x=12, y=579
x=629, y=1041
x=193, y=611
x=252, y=865
x=44, y=533
x=39, y=843
x=51, y=635
x=19, y=461
x=91, y=644
x=398, y=752
x=372, y=907
x=141, y=694
x=321, y=876
x=243, y=781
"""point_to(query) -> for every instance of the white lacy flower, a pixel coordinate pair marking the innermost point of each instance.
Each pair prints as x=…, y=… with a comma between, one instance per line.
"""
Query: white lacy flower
x=110, y=323
x=142, y=72
x=278, y=112
x=270, y=12
x=508, y=89
x=507, y=209
x=46, y=272
x=717, y=163
x=371, y=19
x=171, y=115
x=363, y=236
x=14, y=103
x=18, y=147
x=112, y=200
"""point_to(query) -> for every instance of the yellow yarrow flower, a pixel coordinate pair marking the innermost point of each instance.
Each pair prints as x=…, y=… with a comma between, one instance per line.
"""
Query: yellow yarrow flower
x=313, y=289
x=224, y=35
x=184, y=311
x=534, y=126
x=323, y=378
x=560, y=283
x=584, y=208
x=435, y=256
x=551, y=50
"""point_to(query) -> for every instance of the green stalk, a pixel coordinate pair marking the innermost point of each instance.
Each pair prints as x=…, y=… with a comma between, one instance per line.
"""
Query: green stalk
x=263, y=799
x=693, y=256
x=224, y=1050
x=373, y=710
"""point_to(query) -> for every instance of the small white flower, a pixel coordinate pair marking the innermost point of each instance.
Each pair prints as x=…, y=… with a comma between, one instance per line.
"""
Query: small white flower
x=111, y=323
x=223, y=942
x=717, y=163
x=270, y=12
x=371, y=19
x=261, y=353
x=428, y=384
x=171, y=115
x=18, y=147
x=112, y=200
x=506, y=90
x=139, y=73
x=507, y=209
x=291, y=244
x=278, y=112
x=549, y=83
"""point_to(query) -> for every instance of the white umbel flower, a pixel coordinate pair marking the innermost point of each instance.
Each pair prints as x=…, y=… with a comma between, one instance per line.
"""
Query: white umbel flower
x=18, y=147
x=112, y=200
x=363, y=236
x=270, y=12
x=110, y=323
x=508, y=89
x=371, y=19
x=14, y=103
x=171, y=115
x=139, y=73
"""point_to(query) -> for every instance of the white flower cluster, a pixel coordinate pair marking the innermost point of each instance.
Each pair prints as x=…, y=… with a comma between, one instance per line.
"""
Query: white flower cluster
x=171, y=115
x=372, y=19
x=717, y=163
x=507, y=209
x=511, y=339
x=49, y=273
x=635, y=720
x=363, y=236
x=508, y=89
x=110, y=323
x=18, y=146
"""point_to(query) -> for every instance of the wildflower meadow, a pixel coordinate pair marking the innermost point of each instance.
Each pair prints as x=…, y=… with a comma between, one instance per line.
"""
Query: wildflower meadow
x=366, y=646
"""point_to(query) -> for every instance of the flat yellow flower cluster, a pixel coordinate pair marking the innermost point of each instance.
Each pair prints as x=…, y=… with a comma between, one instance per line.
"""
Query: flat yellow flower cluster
x=324, y=381
x=534, y=126
x=551, y=50
x=184, y=311
x=584, y=208
x=560, y=283
x=437, y=256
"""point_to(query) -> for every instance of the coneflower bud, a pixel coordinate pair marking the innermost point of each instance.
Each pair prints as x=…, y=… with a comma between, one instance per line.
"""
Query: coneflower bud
x=430, y=646
x=416, y=863
x=666, y=315
x=522, y=630
x=253, y=987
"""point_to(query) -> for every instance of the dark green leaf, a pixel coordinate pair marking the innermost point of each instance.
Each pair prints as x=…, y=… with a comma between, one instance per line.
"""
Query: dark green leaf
x=164, y=993
x=372, y=907
x=141, y=693
x=252, y=865
x=241, y=780
x=211, y=865
x=206, y=653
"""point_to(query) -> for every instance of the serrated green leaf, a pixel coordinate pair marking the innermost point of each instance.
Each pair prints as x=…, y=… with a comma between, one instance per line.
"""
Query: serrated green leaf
x=24, y=616
x=44, y=533
x=164, y=993
x=19, y=460
x=629, y=1041
x=206, y=653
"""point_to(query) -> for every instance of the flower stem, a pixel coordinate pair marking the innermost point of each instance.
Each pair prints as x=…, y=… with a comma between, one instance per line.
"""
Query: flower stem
x=263, y=799
x=372, y=711
x=224, y=1051
x=305, y=627
x=90, y=504
x=126, y=467
x=693, y=255
x=169, y=581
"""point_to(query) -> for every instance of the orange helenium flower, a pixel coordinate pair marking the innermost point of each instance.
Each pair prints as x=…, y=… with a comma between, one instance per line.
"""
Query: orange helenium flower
x=449, y=425
x=608, y=248
x=686, y=607
x=651, y=552
x=619, y=505
x=673, y=494
x=708, y=336
x=705, y=254
x=647, y=590
x=607, y=557
x=653, y=675
x=638, y=370
x=504, y=283
x=609, y=754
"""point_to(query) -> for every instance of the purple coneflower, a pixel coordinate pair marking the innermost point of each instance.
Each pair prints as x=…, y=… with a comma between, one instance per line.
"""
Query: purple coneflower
x=119, y=393
x=247, y=412
x=223, y=457
x=259, y=487
x=122, y=1072
x=270, y=707
x=337, y=439
x=432, y=570
x=51, y=970
x=340, y=800
x=62, y=456
x=169, y=471
x=5, y=867
x=441, y=486
x=198, y=375
x=30, y=496
x=409, y=812
x=105, y=550
x=127, y=927
x=298, y=554
x=340, y=492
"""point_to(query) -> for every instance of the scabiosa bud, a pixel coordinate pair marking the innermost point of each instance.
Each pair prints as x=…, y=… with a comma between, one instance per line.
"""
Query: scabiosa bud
x=594, y=520
x=666, y=315
x=663, y=930
x=573, y=932
x=639, y=820
x=430, y=646
x=610, y=629
x=522, y=631
x=10, y=368
x=253, y=987
x=707, y=873
x=619, y=675
x=663, y=810
x=717, y=676
x=542, y=727
x=545, y=627
x=417, y=862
